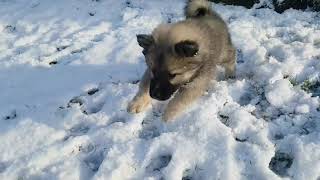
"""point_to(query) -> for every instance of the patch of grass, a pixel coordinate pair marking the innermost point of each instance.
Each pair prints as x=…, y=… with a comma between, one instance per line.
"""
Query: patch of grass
x=292, y=80
x=312, y=87
x=245, y=3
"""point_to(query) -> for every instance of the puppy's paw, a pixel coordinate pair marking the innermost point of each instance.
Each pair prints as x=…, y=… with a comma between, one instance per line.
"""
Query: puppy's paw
x=230, y=74
x=138, y=104
x=231, y=77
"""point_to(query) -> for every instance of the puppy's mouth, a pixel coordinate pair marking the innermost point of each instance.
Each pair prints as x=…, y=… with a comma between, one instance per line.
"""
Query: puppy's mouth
x=161, y=90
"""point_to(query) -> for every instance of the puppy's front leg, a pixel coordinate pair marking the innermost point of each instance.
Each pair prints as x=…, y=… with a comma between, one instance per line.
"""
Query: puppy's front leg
x=142, y=99
x=230, y=64
x=185, y=96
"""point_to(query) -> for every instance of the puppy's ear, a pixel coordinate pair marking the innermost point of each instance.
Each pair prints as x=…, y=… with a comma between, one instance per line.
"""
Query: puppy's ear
x=186, y=48
x=145, y=40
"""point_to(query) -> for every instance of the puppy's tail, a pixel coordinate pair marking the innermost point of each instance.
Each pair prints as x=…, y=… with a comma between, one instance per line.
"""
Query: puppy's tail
x=197, y=8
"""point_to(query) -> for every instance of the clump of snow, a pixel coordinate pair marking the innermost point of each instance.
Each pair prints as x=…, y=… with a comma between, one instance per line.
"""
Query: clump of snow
x=280, y=93
x=69, y=68
x=304, y=108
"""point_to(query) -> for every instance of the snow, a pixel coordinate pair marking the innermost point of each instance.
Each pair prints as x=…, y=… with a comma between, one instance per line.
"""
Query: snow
x=280, y=93
x=69, y=68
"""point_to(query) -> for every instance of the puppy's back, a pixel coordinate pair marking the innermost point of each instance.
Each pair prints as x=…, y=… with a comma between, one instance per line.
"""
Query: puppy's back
x=211, y=26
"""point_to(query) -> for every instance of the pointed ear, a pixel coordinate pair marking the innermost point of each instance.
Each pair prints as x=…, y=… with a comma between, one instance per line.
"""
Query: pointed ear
x=145, y=40
x=186, y=48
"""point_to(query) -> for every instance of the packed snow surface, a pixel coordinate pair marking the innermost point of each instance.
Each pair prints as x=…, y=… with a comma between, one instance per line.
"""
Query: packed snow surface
x=69, y=68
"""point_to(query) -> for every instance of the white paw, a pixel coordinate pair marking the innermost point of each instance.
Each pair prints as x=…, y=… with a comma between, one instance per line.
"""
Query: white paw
x=138, y=104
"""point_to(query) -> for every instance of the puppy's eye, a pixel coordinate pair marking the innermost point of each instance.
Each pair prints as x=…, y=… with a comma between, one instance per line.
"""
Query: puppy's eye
x=171, y=76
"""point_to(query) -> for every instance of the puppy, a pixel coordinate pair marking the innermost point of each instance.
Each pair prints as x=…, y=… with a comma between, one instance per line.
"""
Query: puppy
x=182, y=59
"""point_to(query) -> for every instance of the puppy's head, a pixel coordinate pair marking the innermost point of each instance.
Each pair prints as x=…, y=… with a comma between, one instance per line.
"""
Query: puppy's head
x=173, y=59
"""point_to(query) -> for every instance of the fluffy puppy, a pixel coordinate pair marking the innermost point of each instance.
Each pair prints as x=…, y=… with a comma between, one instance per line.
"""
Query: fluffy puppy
x=182, y=59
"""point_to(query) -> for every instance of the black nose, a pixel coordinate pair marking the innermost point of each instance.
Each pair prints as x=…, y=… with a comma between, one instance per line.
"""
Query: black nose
x=160, y=90
x=155, y=91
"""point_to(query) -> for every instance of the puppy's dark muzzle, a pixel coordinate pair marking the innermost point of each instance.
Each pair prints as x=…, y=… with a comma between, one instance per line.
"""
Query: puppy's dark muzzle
x=161, y=90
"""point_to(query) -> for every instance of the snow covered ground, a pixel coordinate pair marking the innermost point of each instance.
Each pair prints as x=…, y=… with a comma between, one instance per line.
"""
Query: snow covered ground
x=69, y=68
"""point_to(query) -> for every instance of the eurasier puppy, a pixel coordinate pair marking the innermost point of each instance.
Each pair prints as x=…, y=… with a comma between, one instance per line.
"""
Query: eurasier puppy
x=182, y=59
